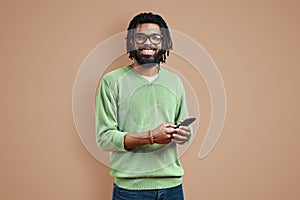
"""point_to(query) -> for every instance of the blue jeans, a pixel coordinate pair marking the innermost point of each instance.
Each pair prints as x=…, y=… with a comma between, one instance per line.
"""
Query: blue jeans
x=174, y=193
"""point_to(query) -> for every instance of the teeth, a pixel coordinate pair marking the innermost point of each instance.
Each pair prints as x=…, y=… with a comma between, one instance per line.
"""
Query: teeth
x=148, y=51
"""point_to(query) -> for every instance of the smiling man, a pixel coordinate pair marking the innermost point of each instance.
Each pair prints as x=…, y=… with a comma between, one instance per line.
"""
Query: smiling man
x=137, y=110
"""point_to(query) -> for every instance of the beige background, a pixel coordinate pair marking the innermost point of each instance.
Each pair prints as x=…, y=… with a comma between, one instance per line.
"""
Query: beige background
x=255, y=45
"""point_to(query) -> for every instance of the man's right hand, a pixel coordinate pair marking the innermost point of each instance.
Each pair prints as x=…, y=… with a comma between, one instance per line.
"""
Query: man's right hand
x=162, y=134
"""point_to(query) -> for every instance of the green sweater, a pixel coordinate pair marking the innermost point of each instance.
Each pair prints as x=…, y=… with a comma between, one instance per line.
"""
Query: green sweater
x=128, y=103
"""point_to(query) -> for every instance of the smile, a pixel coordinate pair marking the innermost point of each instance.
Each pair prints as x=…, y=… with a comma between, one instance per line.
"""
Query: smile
x=147, y=51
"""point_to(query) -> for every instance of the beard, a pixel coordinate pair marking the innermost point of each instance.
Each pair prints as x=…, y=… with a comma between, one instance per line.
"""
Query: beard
x=147, y=61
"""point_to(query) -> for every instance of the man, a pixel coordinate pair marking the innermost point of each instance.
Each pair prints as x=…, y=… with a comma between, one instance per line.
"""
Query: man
x=137, y=110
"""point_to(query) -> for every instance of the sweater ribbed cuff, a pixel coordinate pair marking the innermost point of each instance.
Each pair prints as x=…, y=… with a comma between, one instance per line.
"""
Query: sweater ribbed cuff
x=119, y=141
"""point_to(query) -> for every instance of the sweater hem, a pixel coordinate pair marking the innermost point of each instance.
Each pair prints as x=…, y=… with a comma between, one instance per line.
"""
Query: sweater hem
x=150, y=183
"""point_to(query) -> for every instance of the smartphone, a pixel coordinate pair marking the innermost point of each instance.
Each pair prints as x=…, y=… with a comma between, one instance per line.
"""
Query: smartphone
x=186, y=122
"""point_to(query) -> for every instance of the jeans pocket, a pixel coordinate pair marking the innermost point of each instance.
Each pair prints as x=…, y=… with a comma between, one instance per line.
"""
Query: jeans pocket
x=175, y=193
x=123, y=194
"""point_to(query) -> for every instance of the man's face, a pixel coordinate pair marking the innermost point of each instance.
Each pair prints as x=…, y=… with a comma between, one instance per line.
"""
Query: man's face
x=148, y=43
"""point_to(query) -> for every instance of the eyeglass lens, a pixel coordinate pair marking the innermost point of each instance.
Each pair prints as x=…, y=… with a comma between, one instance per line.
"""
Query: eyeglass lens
x=142, y=38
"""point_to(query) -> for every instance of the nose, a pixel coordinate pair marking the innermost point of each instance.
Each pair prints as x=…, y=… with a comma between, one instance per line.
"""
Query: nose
x=148, y=42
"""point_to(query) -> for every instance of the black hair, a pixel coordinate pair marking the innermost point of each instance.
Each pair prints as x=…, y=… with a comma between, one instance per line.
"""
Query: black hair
x=149, y=18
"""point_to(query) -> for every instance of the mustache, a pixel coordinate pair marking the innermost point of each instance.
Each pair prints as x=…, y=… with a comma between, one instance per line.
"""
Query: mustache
x=146, y=47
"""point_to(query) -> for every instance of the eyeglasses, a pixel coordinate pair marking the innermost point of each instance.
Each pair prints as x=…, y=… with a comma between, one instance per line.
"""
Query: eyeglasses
x=141, y=38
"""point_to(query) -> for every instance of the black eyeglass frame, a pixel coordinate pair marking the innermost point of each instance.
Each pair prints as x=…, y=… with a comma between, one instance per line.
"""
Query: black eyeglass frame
x=148, y=37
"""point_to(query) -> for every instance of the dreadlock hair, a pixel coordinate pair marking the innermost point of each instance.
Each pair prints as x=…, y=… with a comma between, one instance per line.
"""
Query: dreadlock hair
x=149, y=18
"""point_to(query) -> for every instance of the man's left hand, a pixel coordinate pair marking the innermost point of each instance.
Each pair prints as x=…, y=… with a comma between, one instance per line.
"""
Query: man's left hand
x=182, y=136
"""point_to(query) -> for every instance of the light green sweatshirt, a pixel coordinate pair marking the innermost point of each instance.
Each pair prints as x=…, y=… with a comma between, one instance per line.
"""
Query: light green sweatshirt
x=128, y=103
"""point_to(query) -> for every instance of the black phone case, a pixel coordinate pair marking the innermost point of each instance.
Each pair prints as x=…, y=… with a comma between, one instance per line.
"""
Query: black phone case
x=186, y=122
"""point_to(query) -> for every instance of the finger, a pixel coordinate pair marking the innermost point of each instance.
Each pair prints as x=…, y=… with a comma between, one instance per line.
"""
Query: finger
x=185, y=128
x=179, y=138
x=169, y=136
x=179, y=141
x=170, y=125
x=183, y=132
x=171, y=131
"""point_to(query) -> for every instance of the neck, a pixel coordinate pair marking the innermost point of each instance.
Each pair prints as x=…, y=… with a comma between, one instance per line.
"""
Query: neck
x=151, y=71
